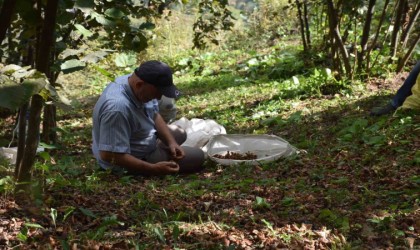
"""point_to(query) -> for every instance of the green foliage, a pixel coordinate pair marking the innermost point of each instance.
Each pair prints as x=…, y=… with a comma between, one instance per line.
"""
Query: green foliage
x=106, y=224
x=18, y=84
x=7, y=185
x=23, y=234
x=335, y=219
x=124, y=60
x=214, y=16
x=127, y=24
x=261, y=203
x=262, y=23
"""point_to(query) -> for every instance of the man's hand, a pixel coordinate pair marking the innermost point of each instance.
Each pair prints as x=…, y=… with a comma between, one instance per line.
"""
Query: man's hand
x=165, y=167
x=166, y=137
x=177, y=152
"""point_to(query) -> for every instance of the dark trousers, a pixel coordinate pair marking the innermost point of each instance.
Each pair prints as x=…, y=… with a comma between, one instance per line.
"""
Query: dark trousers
x=405, y=90
x=194, y=157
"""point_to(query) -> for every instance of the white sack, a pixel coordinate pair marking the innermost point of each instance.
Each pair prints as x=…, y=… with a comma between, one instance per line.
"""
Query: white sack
x=199, y=131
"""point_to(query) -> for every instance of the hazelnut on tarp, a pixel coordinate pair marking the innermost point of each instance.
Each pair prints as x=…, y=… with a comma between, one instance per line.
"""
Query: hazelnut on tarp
x=237, y=156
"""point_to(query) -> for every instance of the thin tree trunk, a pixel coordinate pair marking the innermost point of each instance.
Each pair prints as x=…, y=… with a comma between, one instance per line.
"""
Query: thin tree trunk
x=31, y=144
x=365, y=35
x=302, y=25
x=42, y=65
x=7, y=11
x=404, y=60
x=21, y=137
x=334, y=29
x=397, y=27
x=410, y=26
x=49, y=133
x=49, y=124
x=43, y=58
x=333, y=48
x=308, y=32
x=375, y=39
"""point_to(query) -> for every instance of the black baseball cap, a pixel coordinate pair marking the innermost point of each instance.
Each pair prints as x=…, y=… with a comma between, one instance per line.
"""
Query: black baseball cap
x=158, y=74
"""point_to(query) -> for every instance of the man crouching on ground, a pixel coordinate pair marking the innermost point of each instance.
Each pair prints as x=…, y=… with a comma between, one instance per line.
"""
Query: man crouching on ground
x=130, y=134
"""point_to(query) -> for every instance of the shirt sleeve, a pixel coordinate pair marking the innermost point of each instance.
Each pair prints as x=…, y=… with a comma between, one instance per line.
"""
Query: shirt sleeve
x=114, y=132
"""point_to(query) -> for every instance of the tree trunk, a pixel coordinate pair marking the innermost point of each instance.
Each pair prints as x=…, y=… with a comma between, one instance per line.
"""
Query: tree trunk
x=333, y=48
x=336, y=37
x=42, y=65
x=308, y=32
x=404, y=60
x=31, y=145
x=302, y=25
x=7, y=10
x=49, y=124
x=397, y=27
x=43, y=58
x=21, y=137
x=412, y=21
x=375, y=39
x=365, y=35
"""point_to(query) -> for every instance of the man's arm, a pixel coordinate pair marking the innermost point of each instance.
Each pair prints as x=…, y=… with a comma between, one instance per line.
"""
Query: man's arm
x=135, y=165
x=165, y=135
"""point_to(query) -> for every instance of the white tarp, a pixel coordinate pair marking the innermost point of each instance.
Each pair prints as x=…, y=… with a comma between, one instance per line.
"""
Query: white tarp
x=265, y=147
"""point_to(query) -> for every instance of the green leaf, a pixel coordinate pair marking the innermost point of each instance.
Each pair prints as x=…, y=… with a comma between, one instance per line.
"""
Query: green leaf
x=147, y=26
x=375, y=140
x=287, y=201
x=53, y=215
x=158, y=231
x=72, y=66
x=175, y=232
x=95, y=56
x=45, y=155
x=65, y=245
x=13, y=95
x=103, y=20
x=68, y=211
x=33, y=225
x=85, y=32
x=104, y=72
x=70, y=52
x=21, y=236
x=114, y=13
x=6, y=181
x=253, y=62
x=124, y=60
x=87, y=212
x=259, y=200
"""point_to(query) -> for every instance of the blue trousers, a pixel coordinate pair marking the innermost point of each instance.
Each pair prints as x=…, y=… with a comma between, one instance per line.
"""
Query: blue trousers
x=405, y=90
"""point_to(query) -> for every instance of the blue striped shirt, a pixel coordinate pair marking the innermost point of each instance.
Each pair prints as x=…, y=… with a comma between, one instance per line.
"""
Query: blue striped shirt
x=122, y=124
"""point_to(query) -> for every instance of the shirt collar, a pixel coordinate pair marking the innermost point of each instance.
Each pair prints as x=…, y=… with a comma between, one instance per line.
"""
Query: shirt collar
x=123, y=80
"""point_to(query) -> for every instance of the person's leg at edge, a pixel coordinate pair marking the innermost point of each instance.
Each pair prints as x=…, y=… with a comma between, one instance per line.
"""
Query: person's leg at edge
x=403, y=92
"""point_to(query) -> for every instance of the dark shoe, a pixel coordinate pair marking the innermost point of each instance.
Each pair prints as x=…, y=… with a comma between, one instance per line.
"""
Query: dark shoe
x=383, y=110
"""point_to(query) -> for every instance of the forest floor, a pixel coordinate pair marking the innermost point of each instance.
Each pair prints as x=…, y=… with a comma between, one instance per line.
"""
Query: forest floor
x=355, y=183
